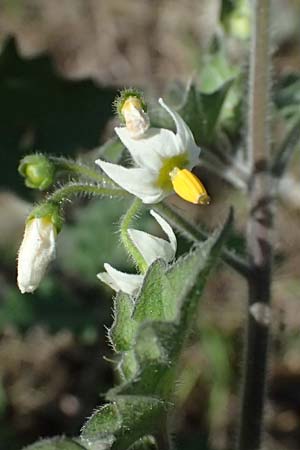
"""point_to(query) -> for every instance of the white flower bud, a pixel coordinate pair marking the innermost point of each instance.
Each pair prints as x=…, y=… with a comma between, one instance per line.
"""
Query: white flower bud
x=136, y=119
x=36, y=252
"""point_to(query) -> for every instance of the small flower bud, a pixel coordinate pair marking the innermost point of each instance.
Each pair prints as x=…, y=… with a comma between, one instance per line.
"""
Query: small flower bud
x=38, y=246
x=132, y=111
x=38, y=171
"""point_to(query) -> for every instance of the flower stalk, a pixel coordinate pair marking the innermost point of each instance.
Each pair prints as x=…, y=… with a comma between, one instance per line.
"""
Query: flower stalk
x=72, y=189
x=132, y=250
x=259, y=232
x=79, y=168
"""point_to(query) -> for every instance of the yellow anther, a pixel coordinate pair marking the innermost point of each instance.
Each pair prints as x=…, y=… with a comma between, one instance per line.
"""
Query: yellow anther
x=189, y=187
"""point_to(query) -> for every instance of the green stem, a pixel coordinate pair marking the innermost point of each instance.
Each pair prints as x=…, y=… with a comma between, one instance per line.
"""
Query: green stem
x=79, y=168
x=259, y=233
x=127, y=242
x=195, y=235
x=69, y=190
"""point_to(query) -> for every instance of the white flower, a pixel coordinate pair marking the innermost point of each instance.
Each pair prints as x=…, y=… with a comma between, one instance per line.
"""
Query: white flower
x=36, y=251
x=151, y=248
x=162, y=161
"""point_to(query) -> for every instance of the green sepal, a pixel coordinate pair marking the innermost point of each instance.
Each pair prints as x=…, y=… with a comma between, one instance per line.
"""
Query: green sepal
x=124, y=95
x=38, y=171
x=49, y=210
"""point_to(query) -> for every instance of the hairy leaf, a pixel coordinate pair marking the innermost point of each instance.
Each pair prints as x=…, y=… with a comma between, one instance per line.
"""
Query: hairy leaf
x=163, y=314
x=201, y=110
x=124, y=421
x=123, y=329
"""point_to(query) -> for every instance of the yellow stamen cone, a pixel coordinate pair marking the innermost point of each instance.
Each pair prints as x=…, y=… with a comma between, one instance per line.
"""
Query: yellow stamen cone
x=189, y=187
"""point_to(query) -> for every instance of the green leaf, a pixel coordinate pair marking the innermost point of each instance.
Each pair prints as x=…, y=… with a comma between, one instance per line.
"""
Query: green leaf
x=164, y=311
x=287, y=96
x=124, y=422
x=123, y=329
x=158, y=344
x=57, y=443
x=286, y=150
x=152, y=303
x=235, y=17
x=201, y=110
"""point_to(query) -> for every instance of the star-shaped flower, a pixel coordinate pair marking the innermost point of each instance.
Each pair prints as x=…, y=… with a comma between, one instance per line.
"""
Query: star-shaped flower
x=151, y=248
x=162, y=160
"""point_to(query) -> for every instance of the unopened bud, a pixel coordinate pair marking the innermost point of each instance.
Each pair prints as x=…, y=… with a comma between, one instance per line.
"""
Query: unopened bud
x=132, y=111
x=38, y=246
x=38, y=171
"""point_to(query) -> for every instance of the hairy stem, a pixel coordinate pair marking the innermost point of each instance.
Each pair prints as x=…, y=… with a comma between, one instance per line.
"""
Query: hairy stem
x=195, y=234
x=260, y=223
x=72, y=189
x=79, y=168
x=132, y=250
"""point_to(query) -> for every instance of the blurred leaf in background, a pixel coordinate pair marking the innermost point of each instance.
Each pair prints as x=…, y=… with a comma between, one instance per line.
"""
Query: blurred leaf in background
x=42, y=111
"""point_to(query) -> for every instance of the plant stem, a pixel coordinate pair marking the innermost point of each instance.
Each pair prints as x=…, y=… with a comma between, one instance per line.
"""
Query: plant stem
x=129, y=245
x=162, y=441
x=78, y=168
x=260, y=223
x=71, y=189
x=162, y=438
x=195, y=235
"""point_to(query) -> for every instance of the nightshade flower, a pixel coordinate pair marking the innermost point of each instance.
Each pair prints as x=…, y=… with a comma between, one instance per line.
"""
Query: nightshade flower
x=36, y=251
x=163, y=160
x=151, y=248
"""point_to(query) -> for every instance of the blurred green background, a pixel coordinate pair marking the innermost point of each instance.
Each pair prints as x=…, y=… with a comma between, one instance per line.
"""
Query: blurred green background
x=61, y=65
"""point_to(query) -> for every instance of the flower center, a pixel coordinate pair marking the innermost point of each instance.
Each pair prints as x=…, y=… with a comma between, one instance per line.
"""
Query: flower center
x=189, y=187
x=164, y=180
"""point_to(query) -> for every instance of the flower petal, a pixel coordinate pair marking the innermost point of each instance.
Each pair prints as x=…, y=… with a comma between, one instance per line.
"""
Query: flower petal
x=36, y=252
x=155, y=145
x=166, y=227
x=139, y=182
x=120, y=281
x=184, y=135
x=151, y=247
